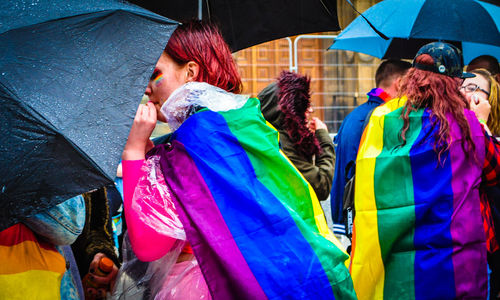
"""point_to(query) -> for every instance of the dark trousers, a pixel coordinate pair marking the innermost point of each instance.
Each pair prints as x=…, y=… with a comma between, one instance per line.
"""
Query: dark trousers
x=494, y=264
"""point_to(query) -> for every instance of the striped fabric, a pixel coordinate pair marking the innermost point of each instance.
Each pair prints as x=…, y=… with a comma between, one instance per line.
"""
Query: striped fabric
x=488, y=224
x=255, y=224
x=29, y=269
x=418, y=228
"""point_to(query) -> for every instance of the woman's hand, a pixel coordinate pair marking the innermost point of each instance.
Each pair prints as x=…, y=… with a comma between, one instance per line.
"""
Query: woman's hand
x=316, y=124
x=99, y=285
x=481, y=107
x=138, y=142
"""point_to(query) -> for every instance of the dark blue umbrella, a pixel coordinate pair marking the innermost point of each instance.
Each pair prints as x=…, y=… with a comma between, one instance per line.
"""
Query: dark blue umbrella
x=471, y=25
x=72, y=74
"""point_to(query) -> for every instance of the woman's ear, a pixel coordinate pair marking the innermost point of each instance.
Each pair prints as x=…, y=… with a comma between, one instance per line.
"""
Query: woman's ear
x=192, y=71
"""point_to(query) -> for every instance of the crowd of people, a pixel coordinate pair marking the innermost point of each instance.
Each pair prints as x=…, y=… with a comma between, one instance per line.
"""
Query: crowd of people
x=227, y=205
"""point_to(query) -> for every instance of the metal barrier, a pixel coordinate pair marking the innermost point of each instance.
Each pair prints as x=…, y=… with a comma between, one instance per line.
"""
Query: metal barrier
x=339, y=79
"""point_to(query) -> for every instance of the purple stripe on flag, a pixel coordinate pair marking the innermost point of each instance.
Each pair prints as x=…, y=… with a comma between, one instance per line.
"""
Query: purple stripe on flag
x=469, y=250
x=226, y=272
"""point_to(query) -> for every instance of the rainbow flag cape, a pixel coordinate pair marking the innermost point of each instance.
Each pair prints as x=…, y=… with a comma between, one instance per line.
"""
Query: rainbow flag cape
x=254, y=223
x=29, y=269
x=418, y=228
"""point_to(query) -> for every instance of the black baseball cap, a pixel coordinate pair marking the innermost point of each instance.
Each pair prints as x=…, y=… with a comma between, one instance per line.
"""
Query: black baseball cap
x=448, y=60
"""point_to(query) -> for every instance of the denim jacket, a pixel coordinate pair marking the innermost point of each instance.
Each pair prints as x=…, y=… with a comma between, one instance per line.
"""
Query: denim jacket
x=61, y=224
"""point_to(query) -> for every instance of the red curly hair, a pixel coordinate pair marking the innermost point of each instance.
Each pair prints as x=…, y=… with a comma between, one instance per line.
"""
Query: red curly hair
x=202, y=43
x=294, y=100
x=439, y=93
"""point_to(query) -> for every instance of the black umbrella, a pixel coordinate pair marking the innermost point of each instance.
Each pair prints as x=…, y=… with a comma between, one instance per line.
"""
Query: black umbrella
x=245, y=23
x=72, y=74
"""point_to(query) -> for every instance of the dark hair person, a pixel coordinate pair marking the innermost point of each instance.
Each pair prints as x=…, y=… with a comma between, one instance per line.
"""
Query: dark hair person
x=487, y=62
x=387, y=78
x=418, y=228
x=389, y=70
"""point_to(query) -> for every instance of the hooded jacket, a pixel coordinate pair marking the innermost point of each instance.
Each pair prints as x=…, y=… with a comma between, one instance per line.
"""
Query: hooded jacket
x=318, y=170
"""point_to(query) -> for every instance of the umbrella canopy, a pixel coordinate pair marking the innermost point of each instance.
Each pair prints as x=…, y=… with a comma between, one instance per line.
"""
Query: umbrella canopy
x=471, y=25
x=245, y=23
x=72, y=74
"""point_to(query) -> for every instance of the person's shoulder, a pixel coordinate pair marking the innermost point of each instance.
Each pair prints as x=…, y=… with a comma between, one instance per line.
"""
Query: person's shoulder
x=359, y=113
x=352, y=124
x=285, y=141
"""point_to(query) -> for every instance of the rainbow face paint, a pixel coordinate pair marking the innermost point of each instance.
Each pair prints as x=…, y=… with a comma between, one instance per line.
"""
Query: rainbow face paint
x=157, y=77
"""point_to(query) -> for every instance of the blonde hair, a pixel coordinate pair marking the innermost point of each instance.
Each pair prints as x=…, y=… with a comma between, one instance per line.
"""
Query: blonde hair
x=494, y=119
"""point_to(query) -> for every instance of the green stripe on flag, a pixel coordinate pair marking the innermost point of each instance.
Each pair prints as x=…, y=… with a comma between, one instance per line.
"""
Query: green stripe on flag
x=395, y=204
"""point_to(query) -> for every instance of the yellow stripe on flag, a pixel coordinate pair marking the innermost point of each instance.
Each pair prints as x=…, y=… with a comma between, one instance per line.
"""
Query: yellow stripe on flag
x=319, y=215
x=34, y=284
x=367, y=268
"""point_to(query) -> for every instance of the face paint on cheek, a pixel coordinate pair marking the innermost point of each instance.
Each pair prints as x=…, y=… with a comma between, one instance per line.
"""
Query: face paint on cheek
x=158, y=79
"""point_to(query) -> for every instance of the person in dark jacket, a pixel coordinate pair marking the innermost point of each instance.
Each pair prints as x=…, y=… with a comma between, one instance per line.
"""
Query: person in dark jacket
x=286, y=104
x=387, y=78
x=95, y=242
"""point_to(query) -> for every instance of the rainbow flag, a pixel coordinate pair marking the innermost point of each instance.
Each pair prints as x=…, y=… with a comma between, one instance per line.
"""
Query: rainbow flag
x=418, y=228
x=29, y=269
x=254, y=223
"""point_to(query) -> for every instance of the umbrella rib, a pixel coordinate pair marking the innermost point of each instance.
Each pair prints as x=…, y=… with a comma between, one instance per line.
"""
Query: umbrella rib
x=145, y=14
x=490, y=16
x=326, y=8
x=369, y=23
x=208, y=10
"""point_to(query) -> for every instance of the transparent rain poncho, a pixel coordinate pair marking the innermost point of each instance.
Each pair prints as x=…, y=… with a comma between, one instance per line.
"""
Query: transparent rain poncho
x=182, y=102
x=153, y=202
x=168, y=277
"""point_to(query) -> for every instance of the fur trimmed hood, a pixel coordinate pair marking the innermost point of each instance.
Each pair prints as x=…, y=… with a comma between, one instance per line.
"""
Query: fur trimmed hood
x=269, y=105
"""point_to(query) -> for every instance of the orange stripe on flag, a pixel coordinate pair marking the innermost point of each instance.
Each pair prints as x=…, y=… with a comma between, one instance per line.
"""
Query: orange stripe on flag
x=13, y=259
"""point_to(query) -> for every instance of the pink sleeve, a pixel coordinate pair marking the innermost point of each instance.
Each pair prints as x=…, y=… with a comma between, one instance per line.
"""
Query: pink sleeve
x=131, y=173
x=148, y=244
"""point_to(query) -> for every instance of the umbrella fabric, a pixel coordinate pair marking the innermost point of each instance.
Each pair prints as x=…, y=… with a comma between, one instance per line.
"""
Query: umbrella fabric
x=424, y=239
x=254, y=223
x=245, y=23
x=471, y=25
x=72, y=74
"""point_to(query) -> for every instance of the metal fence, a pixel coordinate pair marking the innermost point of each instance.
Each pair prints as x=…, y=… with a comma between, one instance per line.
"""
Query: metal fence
x=344, y=77
x=339, y=79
